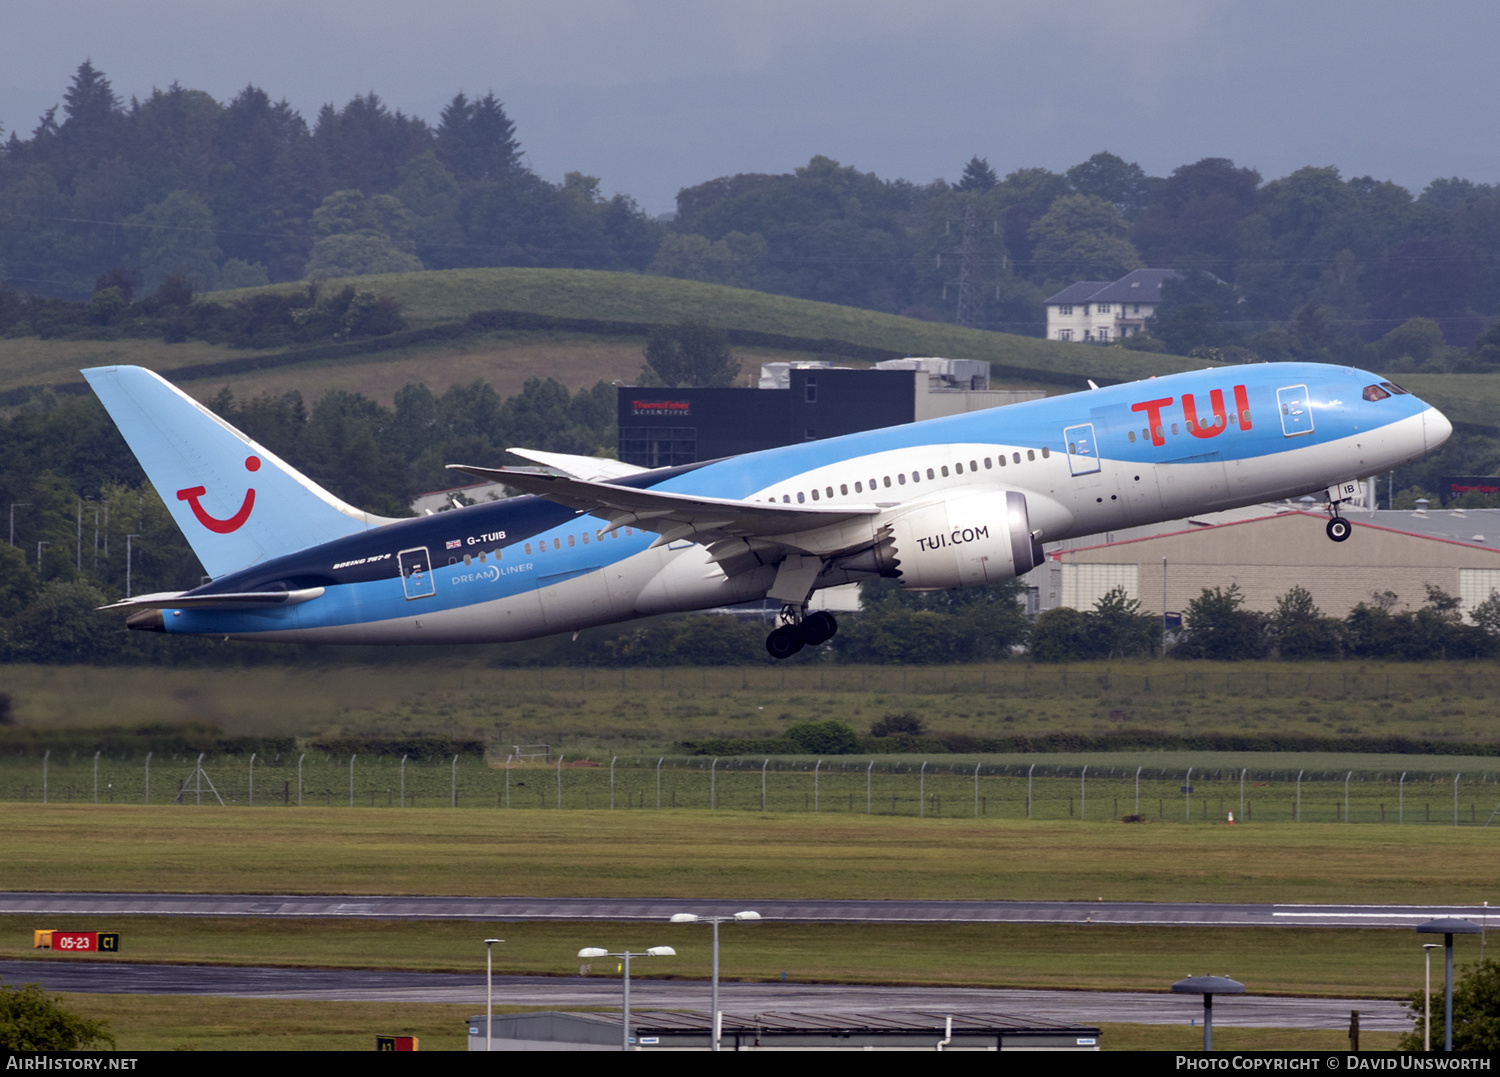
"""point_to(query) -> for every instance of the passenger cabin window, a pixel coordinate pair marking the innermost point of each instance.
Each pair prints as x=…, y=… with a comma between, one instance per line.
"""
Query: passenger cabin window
x=800, y=498
x=958, y=469
x=844, y=489
x=1046, y=452
x=572, y=541
x=1015, y=458
x=1130, y=436
x=859, y=487
x=528, y=551
x=1031, y=454
x=945, y=471
x=557, y=544
x=887, y=481
x=828, y=491
x=930, y=475
x=1174, y=429
x=1375, y=392
x=815, y=493
x=901, y=478
x=987, y=462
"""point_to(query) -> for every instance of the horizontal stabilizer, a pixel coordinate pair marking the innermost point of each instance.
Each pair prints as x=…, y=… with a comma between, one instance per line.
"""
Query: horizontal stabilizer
x=183, y=600
x=588, y=468
x=674, y=516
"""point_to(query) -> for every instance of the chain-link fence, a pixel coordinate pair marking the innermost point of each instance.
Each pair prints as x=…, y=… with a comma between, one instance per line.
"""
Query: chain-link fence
x=943, y=788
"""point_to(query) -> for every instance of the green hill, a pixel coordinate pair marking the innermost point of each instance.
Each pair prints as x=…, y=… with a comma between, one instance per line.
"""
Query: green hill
x=600, y=316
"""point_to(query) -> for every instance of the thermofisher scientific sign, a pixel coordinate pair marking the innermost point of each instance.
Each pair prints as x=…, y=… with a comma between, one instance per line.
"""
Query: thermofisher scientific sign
x=661, y=407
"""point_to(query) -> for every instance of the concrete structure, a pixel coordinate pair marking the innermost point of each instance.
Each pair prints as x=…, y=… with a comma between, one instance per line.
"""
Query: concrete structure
x=799, y=402
x=1100, y=312
x=772, y=1031
x=1268, y=549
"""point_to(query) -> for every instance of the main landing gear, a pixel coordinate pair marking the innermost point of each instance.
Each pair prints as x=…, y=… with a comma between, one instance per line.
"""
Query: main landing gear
x=800, y=630
x=1339, y=528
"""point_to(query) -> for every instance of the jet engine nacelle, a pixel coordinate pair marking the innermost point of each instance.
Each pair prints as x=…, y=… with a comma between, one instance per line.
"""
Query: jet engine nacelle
x=964, y=541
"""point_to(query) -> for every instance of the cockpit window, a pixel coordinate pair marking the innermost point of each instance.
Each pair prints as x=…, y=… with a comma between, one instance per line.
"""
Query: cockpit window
x=1393, y=387
x=1375, y=392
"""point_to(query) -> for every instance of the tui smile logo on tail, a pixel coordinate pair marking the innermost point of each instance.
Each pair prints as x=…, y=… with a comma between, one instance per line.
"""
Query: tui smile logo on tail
x=214, y=524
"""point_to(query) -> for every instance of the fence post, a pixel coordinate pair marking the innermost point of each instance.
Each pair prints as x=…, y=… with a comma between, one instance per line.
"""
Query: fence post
x=1083, y=793
x=1138, y=790
x=1242, y=794
x=46, y=756
x=352, y=758
x=922, y=791
x=1299, y=795
x=976, y=790
x=148, y=777
x=869, y=804
x=763, y=784
x=1346, y=795
x=403, y=783
x=817, y=767
x=658, y=783
x=453, y=770
x=1187, y=789
x=559, y=781
x=96, y=773
x=1028, y=790
x=1455, y=798
x=712, y=778
x=1401, y=799
x=508, y=758
x=612, y=781
x=299, y=778
x=251, y=798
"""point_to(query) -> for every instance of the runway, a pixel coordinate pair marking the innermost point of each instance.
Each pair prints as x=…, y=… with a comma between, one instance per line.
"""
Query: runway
x=501, y=909
x=603, y=992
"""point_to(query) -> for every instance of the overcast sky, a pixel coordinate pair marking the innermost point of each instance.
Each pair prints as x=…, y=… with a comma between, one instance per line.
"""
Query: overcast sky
x=654, y=96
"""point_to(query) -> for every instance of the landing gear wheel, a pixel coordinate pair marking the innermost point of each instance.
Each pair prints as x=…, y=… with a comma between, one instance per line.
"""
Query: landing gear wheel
x=817, y=628
x=1339, y=529
x=784, y=642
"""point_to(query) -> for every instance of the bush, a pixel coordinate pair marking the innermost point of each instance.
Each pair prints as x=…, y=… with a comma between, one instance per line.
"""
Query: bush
x=824, y=738
x=1476, y=1012
x=30, y=1021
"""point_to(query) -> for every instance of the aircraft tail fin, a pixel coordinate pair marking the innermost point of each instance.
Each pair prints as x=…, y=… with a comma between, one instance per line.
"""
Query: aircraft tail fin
x=236, y=503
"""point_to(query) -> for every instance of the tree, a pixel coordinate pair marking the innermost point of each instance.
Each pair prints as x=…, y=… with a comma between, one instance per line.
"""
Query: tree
x=362, y=235
x=1115, y=180
x=978, y=176
x=1082, y=237
x=1476, y=1012
x=31, y=1021
x=1119, y=627
x=691, y=354
x=1216, y=627
x=734, y=260
x=824, y=738
x=1301, y=630
x=179, y=236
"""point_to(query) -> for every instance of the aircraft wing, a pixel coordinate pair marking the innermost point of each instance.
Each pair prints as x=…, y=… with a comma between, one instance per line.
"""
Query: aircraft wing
x=590, y=468
x=675, y=516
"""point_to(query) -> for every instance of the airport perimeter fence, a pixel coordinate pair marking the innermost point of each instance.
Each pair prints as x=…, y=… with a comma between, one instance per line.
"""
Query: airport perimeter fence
x=1018, y=679
x=875, y=786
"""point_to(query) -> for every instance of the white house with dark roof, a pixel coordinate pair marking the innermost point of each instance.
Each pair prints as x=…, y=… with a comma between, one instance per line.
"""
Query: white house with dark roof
x=1099, y=312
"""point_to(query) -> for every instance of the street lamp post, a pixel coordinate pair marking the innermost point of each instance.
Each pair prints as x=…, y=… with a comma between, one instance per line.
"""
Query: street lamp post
x=1208, y=987
x=1448, y=927
x=654, y=951
x=1427, y=948
x=489, y=990
x=691, y=918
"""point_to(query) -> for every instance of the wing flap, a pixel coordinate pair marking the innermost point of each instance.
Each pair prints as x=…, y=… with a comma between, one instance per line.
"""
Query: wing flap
x=676, y=517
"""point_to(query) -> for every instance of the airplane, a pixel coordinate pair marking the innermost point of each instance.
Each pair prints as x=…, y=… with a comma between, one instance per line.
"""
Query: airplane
x=950, y=502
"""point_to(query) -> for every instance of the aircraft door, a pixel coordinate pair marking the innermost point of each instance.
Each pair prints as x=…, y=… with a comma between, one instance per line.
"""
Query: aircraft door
x=1083, y=453
x=416, y=573
x=1296, y=410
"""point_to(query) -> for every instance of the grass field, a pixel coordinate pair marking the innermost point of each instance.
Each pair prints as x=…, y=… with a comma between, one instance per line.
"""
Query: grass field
x=648, y=710
x=441, y=296
x=738, y=855
x=1377, y=963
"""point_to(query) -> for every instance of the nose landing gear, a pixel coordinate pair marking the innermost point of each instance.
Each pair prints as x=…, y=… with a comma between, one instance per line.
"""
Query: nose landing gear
x=1339, y=529
x=801, y=629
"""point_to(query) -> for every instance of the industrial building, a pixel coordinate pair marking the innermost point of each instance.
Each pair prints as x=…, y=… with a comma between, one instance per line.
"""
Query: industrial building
x=884, y=1031
x=1268, y=549
x=799, y=402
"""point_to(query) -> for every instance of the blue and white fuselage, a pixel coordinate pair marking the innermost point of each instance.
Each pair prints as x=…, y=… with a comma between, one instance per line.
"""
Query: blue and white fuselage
x=948, y=502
